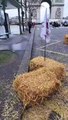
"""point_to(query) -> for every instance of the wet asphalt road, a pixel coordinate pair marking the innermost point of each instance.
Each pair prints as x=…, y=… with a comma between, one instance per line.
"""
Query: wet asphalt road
x=55, y=49
x=58, y=33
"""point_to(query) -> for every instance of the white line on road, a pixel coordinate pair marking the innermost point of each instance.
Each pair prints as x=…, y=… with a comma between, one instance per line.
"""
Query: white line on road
x=54, y=43
x=51, y=44
x=58, y=53
x=59, y=27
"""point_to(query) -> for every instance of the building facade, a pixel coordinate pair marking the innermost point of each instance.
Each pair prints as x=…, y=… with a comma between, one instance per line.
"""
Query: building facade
x=57, y=9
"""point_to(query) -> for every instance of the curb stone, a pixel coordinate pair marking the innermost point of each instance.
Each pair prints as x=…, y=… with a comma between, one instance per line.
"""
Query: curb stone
x=26, y=58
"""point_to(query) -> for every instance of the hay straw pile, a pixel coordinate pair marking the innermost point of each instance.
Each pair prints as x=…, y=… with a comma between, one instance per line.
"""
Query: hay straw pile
x=52, y=65
x=66, y=39
x=37, y=113
x=43, y=80
x=33, y=87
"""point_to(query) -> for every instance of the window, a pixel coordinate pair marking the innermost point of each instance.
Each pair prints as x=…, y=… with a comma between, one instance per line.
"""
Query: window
x=58, y=1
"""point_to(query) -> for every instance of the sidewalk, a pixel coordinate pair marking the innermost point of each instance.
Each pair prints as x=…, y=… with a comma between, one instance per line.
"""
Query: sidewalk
x=6, y=44
x=20, y=43
x=10, y=106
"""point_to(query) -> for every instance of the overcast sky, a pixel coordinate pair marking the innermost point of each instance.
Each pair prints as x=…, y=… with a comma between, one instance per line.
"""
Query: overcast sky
x=14, y=12
x=66, y=8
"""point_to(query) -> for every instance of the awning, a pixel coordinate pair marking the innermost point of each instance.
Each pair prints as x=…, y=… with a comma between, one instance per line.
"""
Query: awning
x=14, y=3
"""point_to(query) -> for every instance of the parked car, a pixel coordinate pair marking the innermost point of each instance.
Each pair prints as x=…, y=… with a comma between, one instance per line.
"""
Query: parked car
x=65, y=23
x=55, y=24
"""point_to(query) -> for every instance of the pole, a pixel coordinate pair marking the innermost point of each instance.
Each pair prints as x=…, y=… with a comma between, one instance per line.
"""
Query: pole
x=25, y=3
x=22, y=12
x=4, y=3
x=19, y=21
x=45, y=49
x=26, y=9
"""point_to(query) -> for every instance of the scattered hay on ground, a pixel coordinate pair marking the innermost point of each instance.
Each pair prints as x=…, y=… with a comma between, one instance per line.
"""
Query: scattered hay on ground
x=52, y=65
x=57, y=106
x=41, y=113
x=66, y=39
x=66, y=73
x=36, y=113
x=33, y=87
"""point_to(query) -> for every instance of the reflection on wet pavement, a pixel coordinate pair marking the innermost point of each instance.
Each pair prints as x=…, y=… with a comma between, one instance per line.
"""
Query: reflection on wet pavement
x=19, y=46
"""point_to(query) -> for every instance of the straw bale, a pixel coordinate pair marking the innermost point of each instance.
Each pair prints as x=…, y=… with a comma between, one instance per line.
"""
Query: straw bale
x=52, y=65
x=18, y=78
x=35, y=86
x=66, y=39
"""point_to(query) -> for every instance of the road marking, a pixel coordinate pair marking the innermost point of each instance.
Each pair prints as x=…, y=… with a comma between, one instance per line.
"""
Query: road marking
x=59, y=27
x=54, y=43
x=58, y=53
x=50, y=44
